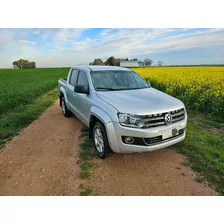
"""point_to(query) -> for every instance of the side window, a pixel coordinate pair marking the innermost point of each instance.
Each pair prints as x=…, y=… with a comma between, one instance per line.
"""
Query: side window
x=82, y=80
x=73, y=77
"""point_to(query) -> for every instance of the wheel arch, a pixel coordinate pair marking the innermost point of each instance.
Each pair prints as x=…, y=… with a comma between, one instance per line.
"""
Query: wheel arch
x=62, y=94
x=92, y=121
x=97, y=114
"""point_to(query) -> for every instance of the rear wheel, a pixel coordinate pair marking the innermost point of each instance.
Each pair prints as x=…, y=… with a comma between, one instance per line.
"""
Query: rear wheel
x=65, y=111
x=100, y=140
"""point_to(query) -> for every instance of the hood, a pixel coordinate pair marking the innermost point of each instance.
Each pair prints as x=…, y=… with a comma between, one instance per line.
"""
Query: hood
x=141, y=101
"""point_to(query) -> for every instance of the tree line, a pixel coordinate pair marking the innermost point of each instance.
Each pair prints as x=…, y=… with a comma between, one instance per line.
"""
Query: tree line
x=24, y=64
x=116, y=61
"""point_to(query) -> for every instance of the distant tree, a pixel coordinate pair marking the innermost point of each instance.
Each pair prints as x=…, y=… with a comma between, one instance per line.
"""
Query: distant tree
x=134, y=59
x=16, y=65
x=23, y=64
x=97, y=61
x=148, y=62
x=32, y=64
x=110, y=61
x=91, y=63
x=160, y=63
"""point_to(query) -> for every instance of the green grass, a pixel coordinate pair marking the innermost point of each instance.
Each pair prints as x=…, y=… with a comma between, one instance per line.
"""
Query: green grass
x=21, y=87
x=87, y=192
x=205, y=150
x=21, y=117
x=186, y=163
x=22, y=98
x=85, y=159
x=199, y=180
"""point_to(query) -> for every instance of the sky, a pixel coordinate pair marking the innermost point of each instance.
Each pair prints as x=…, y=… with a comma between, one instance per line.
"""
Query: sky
x=70, y=47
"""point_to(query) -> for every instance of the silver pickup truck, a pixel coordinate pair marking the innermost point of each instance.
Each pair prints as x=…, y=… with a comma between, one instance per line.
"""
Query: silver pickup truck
x=122, y=111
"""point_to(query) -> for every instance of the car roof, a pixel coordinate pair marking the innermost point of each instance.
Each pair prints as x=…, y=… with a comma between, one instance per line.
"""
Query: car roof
x=100, y=68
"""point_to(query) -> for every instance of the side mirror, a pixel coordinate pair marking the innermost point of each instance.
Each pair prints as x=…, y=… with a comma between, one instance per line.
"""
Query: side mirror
x=149, y=84
x=81, y=89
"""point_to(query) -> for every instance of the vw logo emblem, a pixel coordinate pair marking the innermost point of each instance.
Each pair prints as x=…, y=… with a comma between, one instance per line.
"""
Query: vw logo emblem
x=168, y=119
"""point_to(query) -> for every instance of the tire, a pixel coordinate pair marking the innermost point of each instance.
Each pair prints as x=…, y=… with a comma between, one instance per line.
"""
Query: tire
x=64, y=109
x=100, y=140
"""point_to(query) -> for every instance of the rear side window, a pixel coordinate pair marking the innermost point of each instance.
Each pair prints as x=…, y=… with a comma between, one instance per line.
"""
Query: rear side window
x=73, y=77
x=82, y=80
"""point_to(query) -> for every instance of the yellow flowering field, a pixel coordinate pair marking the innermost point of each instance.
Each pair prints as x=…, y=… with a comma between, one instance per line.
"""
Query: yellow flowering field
x=200, y=88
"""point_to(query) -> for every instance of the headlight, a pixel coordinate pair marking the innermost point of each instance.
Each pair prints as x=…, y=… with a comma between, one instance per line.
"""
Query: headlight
x=130, y=120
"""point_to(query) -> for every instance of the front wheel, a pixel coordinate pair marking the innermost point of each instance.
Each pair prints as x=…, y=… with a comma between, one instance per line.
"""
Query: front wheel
x=100, y=140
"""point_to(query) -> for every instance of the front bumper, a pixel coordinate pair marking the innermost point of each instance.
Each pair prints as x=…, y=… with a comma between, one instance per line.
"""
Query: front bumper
x=115, y=132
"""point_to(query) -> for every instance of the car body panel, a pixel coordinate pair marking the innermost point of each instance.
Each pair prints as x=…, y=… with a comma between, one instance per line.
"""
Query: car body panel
x=141, y=101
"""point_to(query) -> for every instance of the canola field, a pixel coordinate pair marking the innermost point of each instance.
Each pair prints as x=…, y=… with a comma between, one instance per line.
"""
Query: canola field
x=200, y=88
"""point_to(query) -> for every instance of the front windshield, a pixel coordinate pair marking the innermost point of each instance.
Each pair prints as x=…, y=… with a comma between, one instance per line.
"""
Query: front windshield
x=117, y=80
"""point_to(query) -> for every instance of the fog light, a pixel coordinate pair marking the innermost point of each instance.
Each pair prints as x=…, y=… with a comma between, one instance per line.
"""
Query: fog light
x=129, y=140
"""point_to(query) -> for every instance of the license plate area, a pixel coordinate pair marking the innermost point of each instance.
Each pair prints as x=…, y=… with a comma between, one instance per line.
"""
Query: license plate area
x=171, y=132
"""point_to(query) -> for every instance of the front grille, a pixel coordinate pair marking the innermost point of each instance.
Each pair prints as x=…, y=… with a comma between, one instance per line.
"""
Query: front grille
x=153, y=140
x=158, y=139
x=154, y=120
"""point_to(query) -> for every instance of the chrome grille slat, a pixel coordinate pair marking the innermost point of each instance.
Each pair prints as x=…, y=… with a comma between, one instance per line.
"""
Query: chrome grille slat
x=153, y=120
x=177, y=119
x=154, y=124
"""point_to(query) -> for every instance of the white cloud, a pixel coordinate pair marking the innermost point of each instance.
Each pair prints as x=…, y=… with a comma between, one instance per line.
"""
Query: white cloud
x=130, y=43
x=28, y=42
x=66, y=48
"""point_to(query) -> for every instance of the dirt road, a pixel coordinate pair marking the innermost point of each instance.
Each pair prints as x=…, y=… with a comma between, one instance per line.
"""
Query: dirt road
x=155, y=173
x=42, y=161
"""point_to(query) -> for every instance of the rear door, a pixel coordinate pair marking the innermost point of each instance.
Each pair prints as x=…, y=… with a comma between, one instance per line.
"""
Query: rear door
x=71, y=95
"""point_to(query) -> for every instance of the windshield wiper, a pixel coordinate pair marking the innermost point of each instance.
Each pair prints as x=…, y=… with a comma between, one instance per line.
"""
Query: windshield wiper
x=104, y=88
x=133, y=88
x=112, y=89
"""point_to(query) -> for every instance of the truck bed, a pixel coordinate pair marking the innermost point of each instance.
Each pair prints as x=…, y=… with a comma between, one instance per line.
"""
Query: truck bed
x=61, y=82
